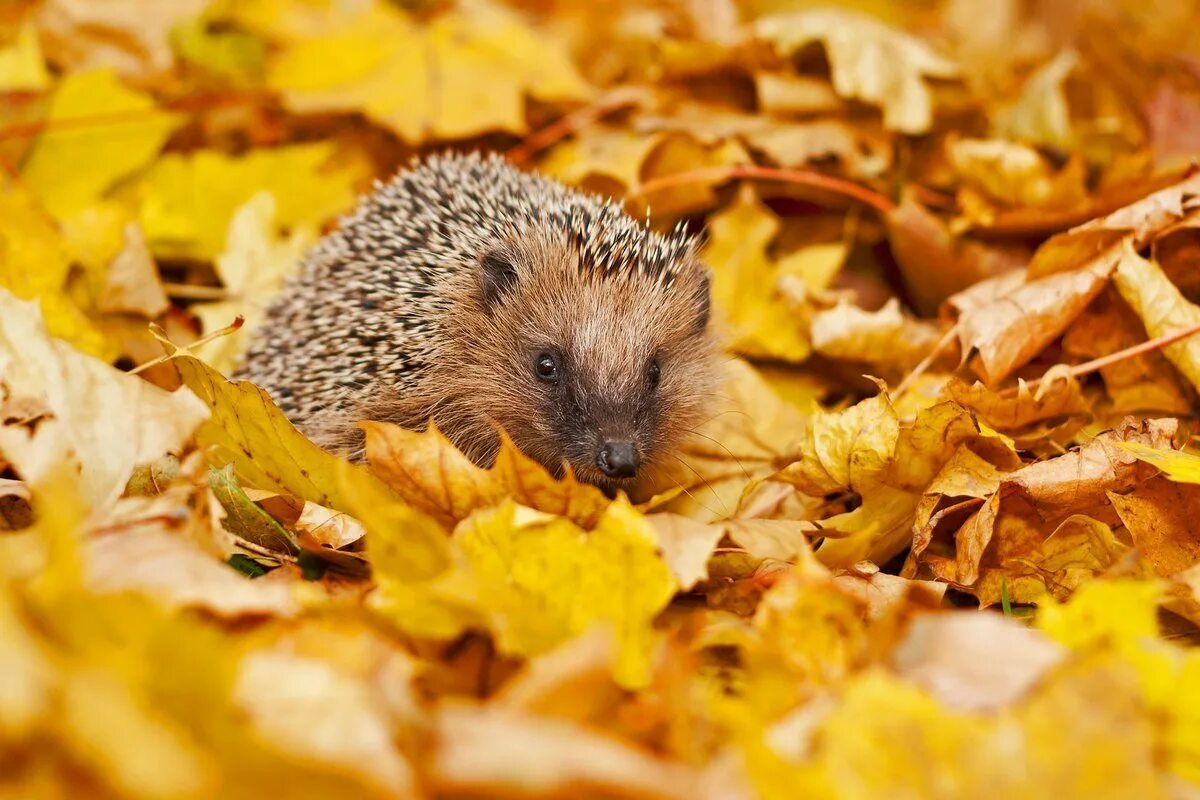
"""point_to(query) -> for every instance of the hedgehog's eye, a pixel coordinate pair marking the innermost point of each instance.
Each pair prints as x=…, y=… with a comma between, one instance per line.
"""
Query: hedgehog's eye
x=546, y=367
x=653, y=374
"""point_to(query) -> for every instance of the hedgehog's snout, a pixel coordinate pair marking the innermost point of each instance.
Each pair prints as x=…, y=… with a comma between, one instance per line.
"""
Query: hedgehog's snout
x=617, y=458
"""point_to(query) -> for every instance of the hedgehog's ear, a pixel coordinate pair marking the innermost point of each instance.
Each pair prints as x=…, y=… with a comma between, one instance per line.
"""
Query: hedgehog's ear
x=703, y=302
x=497, y=276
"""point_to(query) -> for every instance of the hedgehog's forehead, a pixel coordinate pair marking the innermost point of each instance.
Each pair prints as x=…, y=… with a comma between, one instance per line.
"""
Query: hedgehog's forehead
x=601, y=241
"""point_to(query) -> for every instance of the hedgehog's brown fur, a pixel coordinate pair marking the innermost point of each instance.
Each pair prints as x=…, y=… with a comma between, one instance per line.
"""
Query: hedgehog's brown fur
x=437, y=295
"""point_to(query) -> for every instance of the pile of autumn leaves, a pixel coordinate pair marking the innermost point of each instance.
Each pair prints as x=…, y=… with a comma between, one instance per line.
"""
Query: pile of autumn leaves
x=196, y=601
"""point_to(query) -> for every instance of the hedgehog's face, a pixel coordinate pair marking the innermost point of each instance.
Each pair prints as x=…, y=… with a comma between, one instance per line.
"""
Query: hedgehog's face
x=604, y=373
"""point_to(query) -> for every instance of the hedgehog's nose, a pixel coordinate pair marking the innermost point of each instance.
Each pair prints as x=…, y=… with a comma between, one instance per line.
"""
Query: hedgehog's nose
x=617, y=459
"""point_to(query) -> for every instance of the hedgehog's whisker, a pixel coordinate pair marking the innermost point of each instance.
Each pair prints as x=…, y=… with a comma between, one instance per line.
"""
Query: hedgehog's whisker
x=684, y=489
x=707, y=485
x=736, y=460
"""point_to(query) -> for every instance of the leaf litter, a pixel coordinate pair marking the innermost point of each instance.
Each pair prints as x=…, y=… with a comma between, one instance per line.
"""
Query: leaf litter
x=937, y=538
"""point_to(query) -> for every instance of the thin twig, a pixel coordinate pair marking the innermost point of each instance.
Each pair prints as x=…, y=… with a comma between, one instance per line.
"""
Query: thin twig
x=572, y=123
x=189, y=291
x=800, y=177
x=1095, y=364
x=228, y=329
x=926, y=362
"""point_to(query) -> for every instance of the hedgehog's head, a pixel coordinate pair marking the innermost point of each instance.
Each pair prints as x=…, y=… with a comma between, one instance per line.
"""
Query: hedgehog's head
x=591, y=349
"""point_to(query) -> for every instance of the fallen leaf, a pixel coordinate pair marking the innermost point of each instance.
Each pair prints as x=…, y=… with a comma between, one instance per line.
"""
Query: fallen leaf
x=131, y=282
x=858, y=47
x=252, y=269
x=1101, y=243
x=1010, y=330
x=686, y=546
x=249, y=432
x=130, y=36
x=74, y=165
x=188, y=200
x=496, y=750
x=1158, y=515
x=459, y=74
x=53, y=396
x=431, y=473
x=974, y=662
x=244, y=518
x=21, y=64
x=936, y=263
x=1161, y=307
x=886, y=337
x=743, y=290
x=307, y=709
x=175, y=571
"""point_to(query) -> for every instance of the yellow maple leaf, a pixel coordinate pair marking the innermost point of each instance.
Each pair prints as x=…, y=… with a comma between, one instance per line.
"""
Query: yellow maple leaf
x=247, y=430
x=537, y=580
x=463, y=72
x=743, y=290
x=98, y=132
x=188, y=201
x=21, y=64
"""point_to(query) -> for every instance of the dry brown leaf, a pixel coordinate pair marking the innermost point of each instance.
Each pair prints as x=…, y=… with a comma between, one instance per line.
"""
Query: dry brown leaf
x=1100, y=242
x=1160, y=516
x=1055, y=409
x=1009, y=331
x=1144, y=384
x=935, y=263
x=888, y=337
x=425, y=469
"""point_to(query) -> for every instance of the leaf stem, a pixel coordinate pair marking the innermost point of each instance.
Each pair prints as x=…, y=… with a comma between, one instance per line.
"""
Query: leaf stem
x=799, y=177
x=927, y=361
x=571, y=123
x=203, y=340
x=1095, y=364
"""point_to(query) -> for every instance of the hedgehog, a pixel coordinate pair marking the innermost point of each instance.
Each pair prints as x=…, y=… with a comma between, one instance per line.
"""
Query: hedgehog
x=479, y=297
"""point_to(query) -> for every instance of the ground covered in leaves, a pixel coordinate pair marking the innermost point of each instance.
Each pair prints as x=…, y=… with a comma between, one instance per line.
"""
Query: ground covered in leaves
x=940, y=540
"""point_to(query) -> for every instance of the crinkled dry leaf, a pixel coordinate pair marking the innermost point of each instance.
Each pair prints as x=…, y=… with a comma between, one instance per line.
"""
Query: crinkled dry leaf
x=887, y=337
x=1162, y=308
x=1010, y=330
x=428, y=471
x=1101, y=242
x=65, y=410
